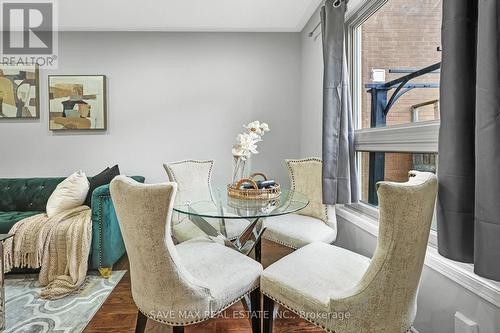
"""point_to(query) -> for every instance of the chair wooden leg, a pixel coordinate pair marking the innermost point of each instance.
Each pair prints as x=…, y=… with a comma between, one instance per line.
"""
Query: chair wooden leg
x=268, y=314
x=255, y=313
x=140, y=325
x=258, y=250
x=178, y=329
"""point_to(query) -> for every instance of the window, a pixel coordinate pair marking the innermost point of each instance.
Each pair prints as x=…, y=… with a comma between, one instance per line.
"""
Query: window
x=394, y=52
x=397, y=166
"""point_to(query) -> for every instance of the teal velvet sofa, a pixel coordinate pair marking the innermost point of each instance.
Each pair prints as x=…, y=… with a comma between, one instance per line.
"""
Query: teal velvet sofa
x=24, y=197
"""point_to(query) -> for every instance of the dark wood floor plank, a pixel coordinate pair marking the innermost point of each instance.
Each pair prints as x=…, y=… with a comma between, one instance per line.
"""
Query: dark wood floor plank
x=119, y=313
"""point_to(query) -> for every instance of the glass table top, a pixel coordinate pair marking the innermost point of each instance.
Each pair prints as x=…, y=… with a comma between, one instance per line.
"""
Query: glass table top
x=5, y=237
x=223, y=206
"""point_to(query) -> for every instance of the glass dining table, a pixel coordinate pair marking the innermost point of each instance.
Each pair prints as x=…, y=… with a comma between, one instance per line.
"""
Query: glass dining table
x=250, y=213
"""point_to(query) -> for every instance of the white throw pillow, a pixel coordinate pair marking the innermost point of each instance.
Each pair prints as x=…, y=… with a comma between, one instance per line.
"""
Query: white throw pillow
x=70, y=193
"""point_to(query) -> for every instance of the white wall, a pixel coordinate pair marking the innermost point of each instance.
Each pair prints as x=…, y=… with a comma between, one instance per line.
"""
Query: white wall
x=171, y=96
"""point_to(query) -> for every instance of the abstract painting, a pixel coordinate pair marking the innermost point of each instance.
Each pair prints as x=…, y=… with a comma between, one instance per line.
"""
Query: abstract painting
x=19, y=92
x=77, y=102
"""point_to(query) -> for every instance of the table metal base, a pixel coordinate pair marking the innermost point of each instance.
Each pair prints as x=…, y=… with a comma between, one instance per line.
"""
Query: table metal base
x=249, y=239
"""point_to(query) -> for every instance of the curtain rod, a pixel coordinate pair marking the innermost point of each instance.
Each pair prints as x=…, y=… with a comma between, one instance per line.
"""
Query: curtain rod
x=335, y=4
x=314, y=30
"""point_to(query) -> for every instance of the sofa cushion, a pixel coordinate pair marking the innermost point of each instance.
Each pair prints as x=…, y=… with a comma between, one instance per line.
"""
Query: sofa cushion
x=227, y=273
x=296, y=231
x=26, y=194
x=309, y=278
x=8, y=219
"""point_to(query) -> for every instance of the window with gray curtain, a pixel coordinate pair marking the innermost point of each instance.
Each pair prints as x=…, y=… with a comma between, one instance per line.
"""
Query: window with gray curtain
x=389, y=40
x=460, y=120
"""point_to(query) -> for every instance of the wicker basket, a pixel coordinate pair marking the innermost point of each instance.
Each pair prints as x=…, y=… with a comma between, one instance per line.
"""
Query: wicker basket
x=249, y=204
x=234, y=190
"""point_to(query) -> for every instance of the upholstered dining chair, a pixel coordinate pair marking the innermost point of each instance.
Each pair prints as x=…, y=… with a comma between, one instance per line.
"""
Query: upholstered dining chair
x=182, y=284
x=345, y=292
x=193, y=178
x=316, y=222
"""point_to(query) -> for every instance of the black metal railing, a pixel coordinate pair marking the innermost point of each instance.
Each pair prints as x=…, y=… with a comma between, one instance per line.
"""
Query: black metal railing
x=380, y=107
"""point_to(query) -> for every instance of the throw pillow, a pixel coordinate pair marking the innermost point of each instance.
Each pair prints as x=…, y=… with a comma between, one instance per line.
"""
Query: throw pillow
x=104, y=178
x=70, y=193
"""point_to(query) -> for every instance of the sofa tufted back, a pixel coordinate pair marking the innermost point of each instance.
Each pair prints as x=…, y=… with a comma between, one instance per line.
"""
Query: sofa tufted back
x=26, y=194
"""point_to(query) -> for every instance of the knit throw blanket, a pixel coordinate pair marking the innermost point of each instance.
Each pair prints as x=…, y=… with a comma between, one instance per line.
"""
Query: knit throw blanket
x=59, y=246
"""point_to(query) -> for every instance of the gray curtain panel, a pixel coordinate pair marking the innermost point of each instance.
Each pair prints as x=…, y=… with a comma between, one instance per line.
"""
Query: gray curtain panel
x=339, y=168
x=469, y=139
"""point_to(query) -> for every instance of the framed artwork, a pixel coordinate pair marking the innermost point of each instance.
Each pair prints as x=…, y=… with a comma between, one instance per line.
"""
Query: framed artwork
x=19, y=92
x=77, y=102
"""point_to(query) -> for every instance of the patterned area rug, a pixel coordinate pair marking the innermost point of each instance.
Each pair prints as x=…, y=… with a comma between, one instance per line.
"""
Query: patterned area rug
x=25, y=312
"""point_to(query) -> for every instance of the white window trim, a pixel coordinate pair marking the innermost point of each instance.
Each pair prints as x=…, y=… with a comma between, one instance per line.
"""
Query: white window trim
x=357, y=12
x=369, y=213
x=419, y=137
x=461, y=273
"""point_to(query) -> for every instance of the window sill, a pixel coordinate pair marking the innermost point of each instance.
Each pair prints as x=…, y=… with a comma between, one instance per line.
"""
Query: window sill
x=460, y=273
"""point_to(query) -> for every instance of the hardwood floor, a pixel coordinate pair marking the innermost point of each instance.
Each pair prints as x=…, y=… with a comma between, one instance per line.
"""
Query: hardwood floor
x=119, y=313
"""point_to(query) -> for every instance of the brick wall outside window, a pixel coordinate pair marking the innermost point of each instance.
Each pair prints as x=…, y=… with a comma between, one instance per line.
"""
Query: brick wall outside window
x=402, y=34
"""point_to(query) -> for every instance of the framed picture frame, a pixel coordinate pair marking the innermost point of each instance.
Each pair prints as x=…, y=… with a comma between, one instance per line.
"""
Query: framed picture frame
x=77, y=102
x=19, y=92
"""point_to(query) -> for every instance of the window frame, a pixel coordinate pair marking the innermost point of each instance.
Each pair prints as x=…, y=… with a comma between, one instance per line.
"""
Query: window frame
x=419, y=137
x=353, y=41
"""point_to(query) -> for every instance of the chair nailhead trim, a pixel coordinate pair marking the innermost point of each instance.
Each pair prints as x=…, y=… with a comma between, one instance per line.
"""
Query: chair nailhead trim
x=281, y=242
x=211, y=162
x=174, y=179
x=290, y=172
x=171, y=174
x=222, y=308
x=278, y=241
x=297, y=313
x=310, y=320
x=100, y=215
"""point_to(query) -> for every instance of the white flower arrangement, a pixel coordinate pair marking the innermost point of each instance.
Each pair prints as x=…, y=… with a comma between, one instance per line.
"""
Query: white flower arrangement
x=246, y=143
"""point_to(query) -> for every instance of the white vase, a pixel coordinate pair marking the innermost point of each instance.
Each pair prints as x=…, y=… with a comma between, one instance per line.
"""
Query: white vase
x=241, y=168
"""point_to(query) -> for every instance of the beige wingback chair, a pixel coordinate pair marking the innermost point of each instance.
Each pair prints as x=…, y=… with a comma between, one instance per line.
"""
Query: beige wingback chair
x=344, y=292
x=193, y=178
x=180, y=284
x=316, y=222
